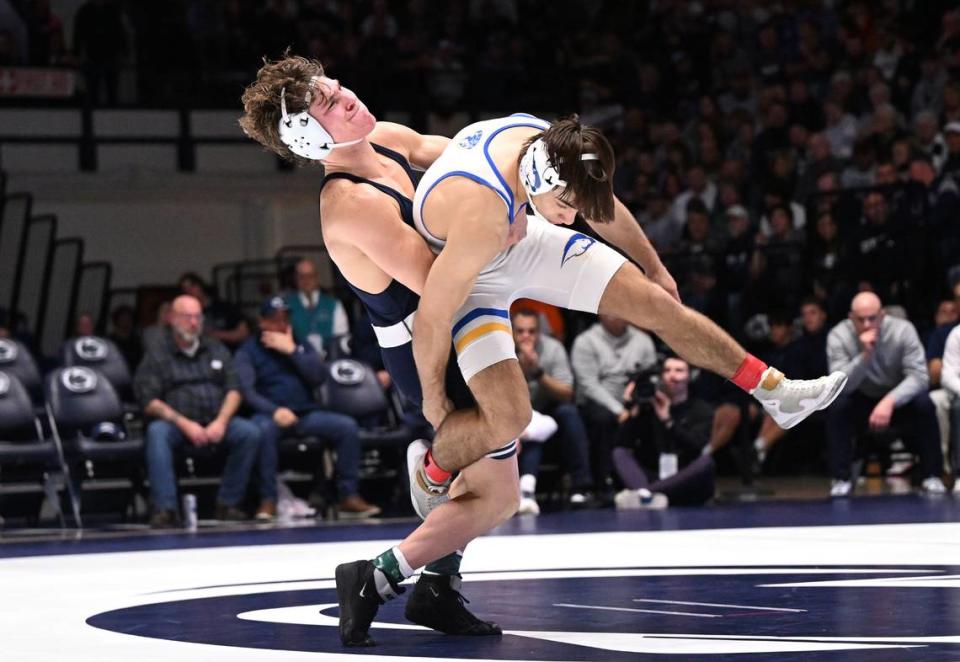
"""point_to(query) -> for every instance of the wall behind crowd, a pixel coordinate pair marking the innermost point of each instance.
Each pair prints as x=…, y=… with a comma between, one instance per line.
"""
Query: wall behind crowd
x=152, y=229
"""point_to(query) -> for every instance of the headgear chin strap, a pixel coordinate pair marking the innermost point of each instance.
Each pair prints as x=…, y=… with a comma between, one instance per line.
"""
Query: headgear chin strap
x=303, y=134
x=538, y=175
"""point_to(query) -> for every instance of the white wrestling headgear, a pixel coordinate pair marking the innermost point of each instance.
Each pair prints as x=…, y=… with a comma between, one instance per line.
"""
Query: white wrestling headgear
x=303, y=134
x=538, y=175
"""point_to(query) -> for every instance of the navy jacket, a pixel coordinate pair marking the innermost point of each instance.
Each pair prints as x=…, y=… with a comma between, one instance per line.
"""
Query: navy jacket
x=269, y=379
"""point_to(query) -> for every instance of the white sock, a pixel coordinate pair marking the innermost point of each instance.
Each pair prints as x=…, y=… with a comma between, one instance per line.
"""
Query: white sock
x=541, y=427
x=760, y=444
x=383, y=585
x=402, y=563
x=528, y=484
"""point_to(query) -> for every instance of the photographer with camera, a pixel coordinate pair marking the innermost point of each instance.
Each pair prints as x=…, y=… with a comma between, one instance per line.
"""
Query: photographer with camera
x=666, y=429
x=604, y=357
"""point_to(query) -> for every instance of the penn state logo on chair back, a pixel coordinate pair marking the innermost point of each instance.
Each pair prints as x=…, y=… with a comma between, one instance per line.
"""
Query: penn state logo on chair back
x=79, y=379
x=8, y=351
x=90, y=348
x=347, y=372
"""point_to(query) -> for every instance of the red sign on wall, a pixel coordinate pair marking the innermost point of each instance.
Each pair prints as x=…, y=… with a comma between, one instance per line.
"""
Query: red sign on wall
x=37, y=82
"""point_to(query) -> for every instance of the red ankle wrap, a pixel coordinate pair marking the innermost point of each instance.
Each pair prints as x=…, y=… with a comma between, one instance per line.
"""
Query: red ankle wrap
x=433, y=470
x=749, y=373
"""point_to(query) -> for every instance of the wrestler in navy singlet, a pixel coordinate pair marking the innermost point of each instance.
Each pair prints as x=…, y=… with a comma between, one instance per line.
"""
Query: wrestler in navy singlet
x=391, y=310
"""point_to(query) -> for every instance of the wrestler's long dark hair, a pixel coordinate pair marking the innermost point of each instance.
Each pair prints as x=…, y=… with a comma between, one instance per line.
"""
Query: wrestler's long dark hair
x=589, y=183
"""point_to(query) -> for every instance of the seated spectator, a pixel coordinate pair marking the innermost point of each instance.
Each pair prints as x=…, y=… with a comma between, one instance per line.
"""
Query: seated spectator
x=316, y=317
x=859, y=172
x=155, y=334
x=946, y=320
x=125, y=336
x=947, y=313
x=667, y=422
x=950, y=378
x=604, y=358
x=14, y=325
x=84, y=325
x=951, y=135
x=819, y=161
x=658, y=221
x=880, y=250
x=277, y=377
x=883, y=358
x=829, y=265
x=777, y=196
x=777, y=266
x=222, y=320
x=188, y=386
x=927, y=96
x=734, y=277
x=928, y=139
x=699, y=187
x=841, y=129
x=551, y=317
x=698, y=235
x=546, y=366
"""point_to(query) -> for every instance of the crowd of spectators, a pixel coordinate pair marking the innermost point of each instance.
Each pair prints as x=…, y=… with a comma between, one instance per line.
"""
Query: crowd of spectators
x=785, y=160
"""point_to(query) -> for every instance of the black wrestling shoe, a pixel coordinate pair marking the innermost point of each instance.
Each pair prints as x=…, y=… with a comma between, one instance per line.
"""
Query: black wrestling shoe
x=436, y=603
x=359, y=602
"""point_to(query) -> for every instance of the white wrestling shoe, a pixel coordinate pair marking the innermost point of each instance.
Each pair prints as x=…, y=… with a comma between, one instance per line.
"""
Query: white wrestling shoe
x=792, y=400
x=528, y=505
x=424, y=494
x=933, y=485
x=841, y=488
x=642, y=498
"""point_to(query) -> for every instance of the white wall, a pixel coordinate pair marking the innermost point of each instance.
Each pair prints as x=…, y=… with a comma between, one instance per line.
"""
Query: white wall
x=152, y=226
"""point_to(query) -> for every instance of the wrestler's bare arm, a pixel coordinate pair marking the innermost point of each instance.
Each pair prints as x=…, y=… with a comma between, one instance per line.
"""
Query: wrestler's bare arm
x=361, y=218
x=626, y=234
x=476, y=234
x=421, y=150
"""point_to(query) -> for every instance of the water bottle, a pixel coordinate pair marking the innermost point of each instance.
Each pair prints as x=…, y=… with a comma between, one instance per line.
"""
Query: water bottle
x=190, y=512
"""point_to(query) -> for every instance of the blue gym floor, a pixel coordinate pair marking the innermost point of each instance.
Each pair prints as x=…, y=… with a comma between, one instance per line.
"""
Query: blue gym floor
x=874, y=578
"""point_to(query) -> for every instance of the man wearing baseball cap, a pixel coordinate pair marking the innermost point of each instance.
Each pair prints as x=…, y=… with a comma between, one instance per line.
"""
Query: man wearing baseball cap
x=951, y=135
x=277, y=379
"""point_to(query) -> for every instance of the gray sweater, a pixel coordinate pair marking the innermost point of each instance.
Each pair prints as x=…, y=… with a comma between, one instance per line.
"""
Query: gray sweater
x=603, y=363
x=554, y=361
x=897, y=365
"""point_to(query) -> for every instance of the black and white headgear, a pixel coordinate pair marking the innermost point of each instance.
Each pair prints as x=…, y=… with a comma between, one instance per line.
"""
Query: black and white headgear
x=539, y=175
x=302, y=133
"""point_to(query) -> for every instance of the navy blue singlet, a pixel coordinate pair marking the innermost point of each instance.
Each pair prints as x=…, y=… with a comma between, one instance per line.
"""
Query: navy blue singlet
x=396, y=302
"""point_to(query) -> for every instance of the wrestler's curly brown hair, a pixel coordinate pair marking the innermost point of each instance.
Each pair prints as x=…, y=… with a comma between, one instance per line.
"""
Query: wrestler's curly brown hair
x=261, y=100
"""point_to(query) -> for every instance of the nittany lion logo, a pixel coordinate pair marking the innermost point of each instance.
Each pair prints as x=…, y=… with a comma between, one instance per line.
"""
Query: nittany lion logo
x=4, y=384
x=576, y=246
x=8, y=351
x=78, y=379
x=615, y=615
x=347, y=372
x=90, y=348
x=471, y=141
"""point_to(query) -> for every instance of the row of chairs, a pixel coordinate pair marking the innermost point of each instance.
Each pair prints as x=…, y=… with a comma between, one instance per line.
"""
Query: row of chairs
x=62, y=431
x=80, y=424
x=95, y=352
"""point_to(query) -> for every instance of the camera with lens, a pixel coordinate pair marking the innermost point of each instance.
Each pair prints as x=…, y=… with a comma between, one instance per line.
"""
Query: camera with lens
x=646, y=381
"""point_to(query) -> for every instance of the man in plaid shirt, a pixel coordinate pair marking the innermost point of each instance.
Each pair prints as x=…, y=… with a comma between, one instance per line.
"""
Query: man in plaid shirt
x=188, y=385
